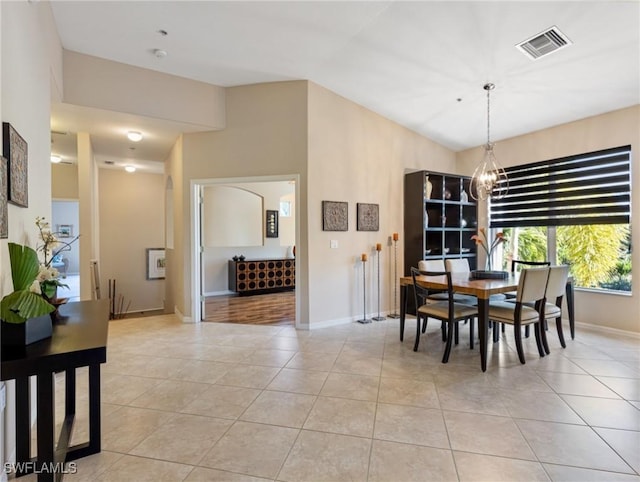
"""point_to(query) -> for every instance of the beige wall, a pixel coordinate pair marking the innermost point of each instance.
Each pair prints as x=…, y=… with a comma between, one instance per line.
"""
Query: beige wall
x=357, y=156
x=618, y=128
x=131, y=220
x=174, y=280
x=266, y=135
x=64, y=181
x=28, y=58
x=104, y=84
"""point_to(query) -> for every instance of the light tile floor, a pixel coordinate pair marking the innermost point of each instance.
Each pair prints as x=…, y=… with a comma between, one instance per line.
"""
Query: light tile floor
x=226, y=402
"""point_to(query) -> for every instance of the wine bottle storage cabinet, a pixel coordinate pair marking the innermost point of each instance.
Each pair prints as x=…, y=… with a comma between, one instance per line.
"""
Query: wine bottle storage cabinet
x=262, y=275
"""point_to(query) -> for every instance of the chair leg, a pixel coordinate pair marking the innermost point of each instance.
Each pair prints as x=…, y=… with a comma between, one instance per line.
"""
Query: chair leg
x=503, y=327
x=455, y=333
x=560, y=333
x=536, y=332
x=471, y=333
x=415, y=346
x=424, y=325
x=526, y=331
x=517, y=333
x=543, y=336
x=447, y=350
x=496, y=332
x=443, y=328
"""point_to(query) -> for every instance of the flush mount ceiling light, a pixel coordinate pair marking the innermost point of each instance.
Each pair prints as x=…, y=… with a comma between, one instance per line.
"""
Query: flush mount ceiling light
x=134, y=136
x=55, y=159
x=489, y=178
x=159, y=53
x=129, y=168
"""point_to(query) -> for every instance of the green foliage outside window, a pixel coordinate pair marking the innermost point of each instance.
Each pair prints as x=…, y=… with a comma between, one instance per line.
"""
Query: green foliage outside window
x=596, y=254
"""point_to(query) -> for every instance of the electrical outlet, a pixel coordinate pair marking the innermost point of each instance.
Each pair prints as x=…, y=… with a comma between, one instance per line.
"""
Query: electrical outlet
x=334, y=244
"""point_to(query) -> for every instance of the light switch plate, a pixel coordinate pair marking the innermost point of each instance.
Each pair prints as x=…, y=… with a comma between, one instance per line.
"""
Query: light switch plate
x=334, y=244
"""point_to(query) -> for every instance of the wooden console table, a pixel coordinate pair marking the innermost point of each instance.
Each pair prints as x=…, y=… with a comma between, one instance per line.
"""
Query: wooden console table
x=262, y=275
x=79, y=339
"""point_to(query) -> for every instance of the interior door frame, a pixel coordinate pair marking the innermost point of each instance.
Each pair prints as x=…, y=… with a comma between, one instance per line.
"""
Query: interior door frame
x=196, y=191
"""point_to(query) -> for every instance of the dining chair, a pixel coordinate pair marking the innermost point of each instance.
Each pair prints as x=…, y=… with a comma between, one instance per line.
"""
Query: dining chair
x=448, y=311
x=527, y=309
x=518, y=265
x=556, y=285
x=460, y=266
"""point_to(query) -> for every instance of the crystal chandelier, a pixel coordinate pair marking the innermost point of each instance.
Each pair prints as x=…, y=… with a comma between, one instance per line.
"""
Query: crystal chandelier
x=489, y=179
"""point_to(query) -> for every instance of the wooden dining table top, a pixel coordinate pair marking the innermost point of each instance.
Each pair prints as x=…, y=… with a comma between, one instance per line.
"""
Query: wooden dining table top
x=481, y=288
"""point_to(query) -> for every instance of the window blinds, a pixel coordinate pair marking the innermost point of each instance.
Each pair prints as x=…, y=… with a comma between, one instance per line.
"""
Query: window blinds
x=593, y=188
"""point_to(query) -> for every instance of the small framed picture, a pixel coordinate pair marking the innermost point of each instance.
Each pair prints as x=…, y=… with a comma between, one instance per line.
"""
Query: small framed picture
x=65, y=230
x=368, y=217
x=156, y=262
x=271, y=223
x=335, y=216
x=14, y=148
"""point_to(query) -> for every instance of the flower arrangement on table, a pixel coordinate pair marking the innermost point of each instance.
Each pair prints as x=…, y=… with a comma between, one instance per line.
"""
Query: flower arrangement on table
x=35, y=282
x=482, y=240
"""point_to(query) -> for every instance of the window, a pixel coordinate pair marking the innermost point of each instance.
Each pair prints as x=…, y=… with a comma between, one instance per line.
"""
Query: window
x=573, y=210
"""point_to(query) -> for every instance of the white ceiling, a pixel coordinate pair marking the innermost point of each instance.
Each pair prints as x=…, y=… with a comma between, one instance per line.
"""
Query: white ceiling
x=422, y=64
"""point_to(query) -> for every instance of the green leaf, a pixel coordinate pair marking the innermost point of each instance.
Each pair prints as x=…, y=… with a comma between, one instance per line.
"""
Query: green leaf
x=24, y=266
x=19, y=306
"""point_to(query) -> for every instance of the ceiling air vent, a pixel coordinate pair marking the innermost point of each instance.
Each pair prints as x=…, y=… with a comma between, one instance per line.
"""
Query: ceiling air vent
x=544, y=43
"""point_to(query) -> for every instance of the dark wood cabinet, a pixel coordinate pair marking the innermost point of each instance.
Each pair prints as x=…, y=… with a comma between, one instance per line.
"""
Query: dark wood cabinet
x=439, y=218
x=262, y=275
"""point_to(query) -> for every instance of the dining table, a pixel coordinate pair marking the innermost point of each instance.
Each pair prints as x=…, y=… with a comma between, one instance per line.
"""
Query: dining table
x=482, y=289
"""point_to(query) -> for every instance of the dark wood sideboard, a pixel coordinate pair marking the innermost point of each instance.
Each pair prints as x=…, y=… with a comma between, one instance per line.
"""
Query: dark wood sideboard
x=256, y=276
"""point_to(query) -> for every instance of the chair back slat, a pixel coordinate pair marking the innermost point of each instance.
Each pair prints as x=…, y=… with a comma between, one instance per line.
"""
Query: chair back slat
x=457, y=265
x=532, y=285
x=523, y=264
x=557, y=283
x=421, y=292
x=431, y=265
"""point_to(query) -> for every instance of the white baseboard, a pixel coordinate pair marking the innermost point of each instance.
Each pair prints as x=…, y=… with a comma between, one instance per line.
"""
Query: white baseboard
x=605, y=329
x=220, y=293
x=181, y=317
x=343, y=321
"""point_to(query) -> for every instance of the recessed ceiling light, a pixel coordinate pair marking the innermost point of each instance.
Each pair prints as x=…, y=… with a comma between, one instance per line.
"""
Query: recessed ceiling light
x=130, y=169
x=134, y=136
x=55, y=159
x=159, y=53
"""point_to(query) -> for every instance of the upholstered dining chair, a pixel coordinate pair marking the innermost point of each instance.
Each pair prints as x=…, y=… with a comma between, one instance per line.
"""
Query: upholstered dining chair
x=556, y=285
x=527, y=309
x=447, y=311
x=518, y=265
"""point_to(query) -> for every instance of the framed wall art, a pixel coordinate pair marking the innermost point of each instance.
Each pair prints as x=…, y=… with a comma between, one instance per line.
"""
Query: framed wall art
x=155, y=263
x=271, y=223
x=64, y=230
x=14, y=148
x=368, y=217
x=335, y=216
x=4, y=215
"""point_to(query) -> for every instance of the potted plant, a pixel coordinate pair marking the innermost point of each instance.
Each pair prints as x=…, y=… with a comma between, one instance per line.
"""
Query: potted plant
x=25, y=312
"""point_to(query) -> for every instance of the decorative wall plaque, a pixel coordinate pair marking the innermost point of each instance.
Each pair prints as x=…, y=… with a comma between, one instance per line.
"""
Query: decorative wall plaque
x=335, y=216
x=368, y=217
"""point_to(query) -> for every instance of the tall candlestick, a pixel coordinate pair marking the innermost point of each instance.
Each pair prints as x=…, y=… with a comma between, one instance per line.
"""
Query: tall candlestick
x=379, y=317
x=395, y=277
x=364, y=289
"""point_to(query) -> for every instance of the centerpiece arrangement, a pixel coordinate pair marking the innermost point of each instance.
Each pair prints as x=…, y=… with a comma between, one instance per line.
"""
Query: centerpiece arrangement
x=26, y=312
x=482, y=240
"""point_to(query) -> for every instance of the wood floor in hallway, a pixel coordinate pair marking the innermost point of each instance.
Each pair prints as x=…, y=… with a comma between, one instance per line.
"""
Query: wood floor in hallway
x=264, y=309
